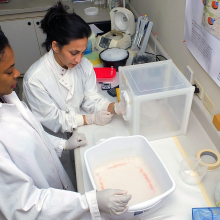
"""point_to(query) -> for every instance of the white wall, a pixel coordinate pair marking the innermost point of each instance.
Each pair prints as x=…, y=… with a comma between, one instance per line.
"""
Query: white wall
x=168, y=17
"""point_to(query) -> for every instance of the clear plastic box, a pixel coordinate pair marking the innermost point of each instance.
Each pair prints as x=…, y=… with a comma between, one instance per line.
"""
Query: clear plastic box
x=158, y=99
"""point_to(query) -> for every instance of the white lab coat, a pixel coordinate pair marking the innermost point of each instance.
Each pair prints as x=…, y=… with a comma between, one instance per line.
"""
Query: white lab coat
x=56, y=100
x=32, y=179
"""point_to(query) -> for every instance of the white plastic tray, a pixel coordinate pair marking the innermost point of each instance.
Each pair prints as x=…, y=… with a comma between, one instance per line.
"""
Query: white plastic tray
x=121, y=147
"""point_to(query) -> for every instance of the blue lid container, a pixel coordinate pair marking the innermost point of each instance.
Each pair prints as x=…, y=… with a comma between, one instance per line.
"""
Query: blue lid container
x=89, y=48
x=212, y=213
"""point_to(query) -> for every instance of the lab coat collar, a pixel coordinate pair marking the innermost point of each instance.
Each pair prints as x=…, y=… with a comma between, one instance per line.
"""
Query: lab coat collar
x=50, y=64
x=60, y=70
x=67, y=80
x=14, y=100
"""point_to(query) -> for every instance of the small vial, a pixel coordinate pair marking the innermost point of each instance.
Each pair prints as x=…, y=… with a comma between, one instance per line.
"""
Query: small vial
x=155, y=49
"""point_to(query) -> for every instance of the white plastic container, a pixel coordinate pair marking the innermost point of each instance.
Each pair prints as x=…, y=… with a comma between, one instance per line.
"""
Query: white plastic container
x=156, y=177
x=102, y=133
x=91, y=11
x=158, y=99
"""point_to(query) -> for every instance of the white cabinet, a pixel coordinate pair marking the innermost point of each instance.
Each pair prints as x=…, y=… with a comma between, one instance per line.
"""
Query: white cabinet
x=40, y=35
x=25, y=38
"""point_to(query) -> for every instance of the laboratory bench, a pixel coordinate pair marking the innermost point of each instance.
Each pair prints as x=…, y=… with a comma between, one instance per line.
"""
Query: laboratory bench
x=172, y=150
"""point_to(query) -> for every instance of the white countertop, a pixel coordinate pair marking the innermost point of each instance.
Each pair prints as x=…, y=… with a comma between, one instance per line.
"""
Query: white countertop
x=188, y=144
x=195, y=140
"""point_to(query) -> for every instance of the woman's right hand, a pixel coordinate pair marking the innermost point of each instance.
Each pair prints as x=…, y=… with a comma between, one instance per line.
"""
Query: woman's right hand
x=99, y=118
x=113, y=201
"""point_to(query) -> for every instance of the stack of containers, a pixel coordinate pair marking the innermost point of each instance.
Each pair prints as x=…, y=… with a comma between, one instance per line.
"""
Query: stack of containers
x=158, y=99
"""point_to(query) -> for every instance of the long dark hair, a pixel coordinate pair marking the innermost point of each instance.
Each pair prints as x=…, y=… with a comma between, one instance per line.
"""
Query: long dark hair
x=3, y=44
x=62, y=27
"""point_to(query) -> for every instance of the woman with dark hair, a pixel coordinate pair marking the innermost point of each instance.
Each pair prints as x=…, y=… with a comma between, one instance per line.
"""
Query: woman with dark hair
x=33, y=183
x=63, y=81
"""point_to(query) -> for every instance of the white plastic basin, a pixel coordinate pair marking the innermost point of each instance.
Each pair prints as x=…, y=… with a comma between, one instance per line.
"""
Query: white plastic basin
x=154, y=176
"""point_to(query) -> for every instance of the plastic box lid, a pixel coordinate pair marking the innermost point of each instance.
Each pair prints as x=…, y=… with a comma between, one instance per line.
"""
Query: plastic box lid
x=154, y=77
x=210, y=213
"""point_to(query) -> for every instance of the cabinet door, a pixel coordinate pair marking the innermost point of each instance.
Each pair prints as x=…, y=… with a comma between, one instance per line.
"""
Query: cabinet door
x=41, y=37
x=23, y=40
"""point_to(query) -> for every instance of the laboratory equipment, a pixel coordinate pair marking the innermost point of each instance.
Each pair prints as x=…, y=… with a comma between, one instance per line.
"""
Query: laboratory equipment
x=118, y=94
x=116, y=3
x=122, y=28
x=207, y=213
x=100, y=3
x=192, y=170
x=133, y=165
x=158, y=99
x=88, y=48
x=102, y=134
x=143, y=58
x=143, y=28
x=112, y=91
x=106, y=86
x=93, y=58
x=105, y=74
x=112, y=57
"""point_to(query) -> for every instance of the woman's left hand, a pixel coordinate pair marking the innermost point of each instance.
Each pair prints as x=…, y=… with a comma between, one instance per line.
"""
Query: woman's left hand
x=76, y=140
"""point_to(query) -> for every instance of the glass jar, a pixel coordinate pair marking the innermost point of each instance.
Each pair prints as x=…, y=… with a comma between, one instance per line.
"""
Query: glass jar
x=100, y=3
x=116, y=3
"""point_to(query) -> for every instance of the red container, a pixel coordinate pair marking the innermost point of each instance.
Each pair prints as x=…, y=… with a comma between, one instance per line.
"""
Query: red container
x=105, y=73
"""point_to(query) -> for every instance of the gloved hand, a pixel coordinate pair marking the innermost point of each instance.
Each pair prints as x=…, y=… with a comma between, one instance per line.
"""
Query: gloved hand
x=120, y=108
x=76, y=140
x=99, y=118
x=113, y=201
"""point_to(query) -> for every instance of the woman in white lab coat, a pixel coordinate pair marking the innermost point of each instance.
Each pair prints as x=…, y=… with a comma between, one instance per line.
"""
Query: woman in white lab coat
x=63, y=82
x=33, y=183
